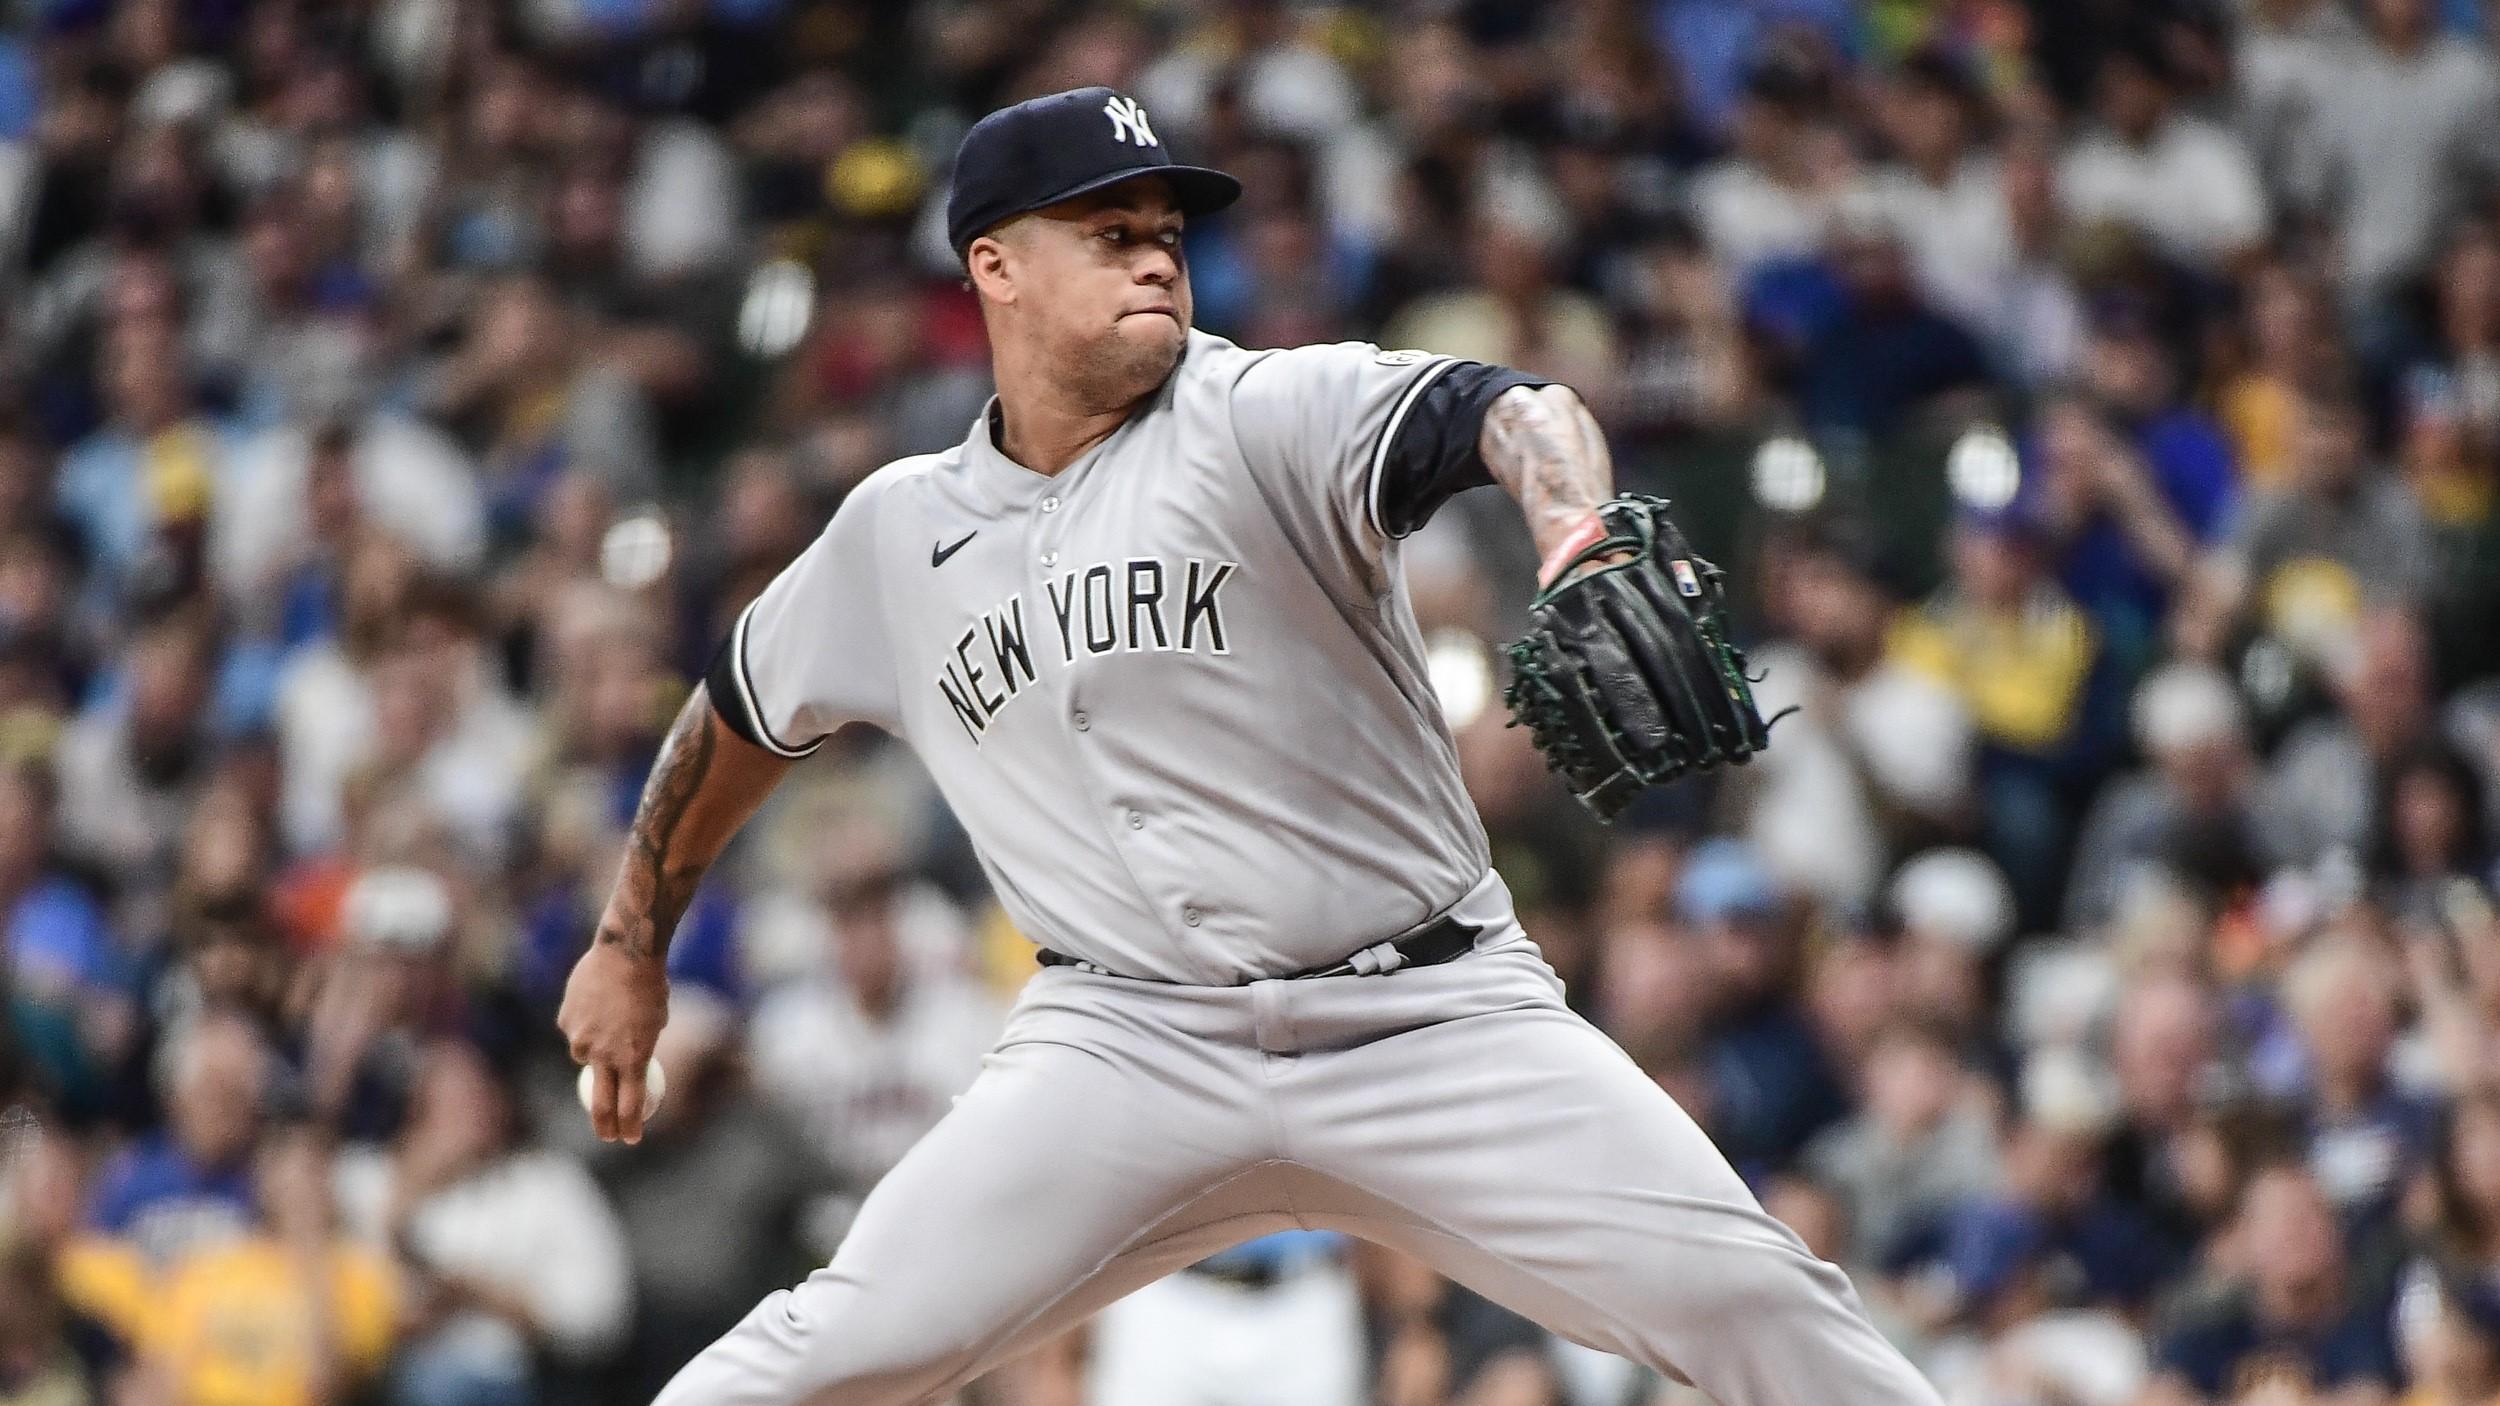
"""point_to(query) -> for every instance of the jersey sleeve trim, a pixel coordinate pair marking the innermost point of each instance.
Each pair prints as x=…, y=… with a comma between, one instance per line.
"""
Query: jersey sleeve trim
x=732, y=692
x=1389, y=438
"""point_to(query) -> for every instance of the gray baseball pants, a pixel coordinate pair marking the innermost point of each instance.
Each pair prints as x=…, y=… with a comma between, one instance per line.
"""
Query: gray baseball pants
x=1460, y=1113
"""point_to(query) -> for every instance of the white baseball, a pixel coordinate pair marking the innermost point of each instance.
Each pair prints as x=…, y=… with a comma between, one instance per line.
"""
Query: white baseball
x=654, y=1087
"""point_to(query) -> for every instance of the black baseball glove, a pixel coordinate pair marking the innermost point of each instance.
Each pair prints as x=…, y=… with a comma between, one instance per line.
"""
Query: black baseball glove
x=1626, y=676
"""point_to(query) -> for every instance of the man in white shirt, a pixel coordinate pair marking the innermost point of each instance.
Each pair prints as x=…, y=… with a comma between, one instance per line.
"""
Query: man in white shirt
x=514, y=1249
x=869, y=1052
x=2401, y=133
x=2187, y=184
x=1789, y=177
x=1944, y=192
x=1875, y=753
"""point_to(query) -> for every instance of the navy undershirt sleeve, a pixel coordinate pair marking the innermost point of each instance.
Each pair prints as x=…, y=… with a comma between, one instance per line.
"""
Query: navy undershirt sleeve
x=1432, y=450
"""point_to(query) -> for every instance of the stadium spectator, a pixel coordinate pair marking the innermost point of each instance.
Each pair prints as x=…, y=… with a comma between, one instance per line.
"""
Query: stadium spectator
x=2196, y=814
x=2022, y=658
x=1882, y=354
x=1920, y=1145
x=1878, y=755
x=2429, y=832
x=1952, y=910
x=54, y=1357
x=2455, y=367
x=2387, y=186
x=2186, y=184
x=2289, y=349
x=133, y=766
x=2451, y=1346
x=1432, y=1340
x=722, y=1203
x=1789, y=172
x=1278, y=1319
x=1519, y=318
x=2032, y=313
x=2460, y=1235
x=292, y=1314
x=1771, y=1083
x=2326, y=772
x=523, y=393
x=385, y=989
x=2456, y=478
x=191, y=1185
x=2366, y=1135
x=303, y=495
x=2050, y=1204
x=2292, y=1321
x=2164, y=1047
x=866, y=1053
x=2023, y=1342
x=140, y=489
x=1944, y=191
x=2131, y=478
x=67, y=968
x=505, y=1252
x=2341, y=534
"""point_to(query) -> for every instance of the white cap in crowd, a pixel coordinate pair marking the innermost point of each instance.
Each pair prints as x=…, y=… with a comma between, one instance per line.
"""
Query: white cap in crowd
x=1958, y=895
x=2183, y=706
x=397, y=908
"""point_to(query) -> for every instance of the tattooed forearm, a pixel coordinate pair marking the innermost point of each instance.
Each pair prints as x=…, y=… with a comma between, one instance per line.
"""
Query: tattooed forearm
x=658, y=877
x=1541, y=444
x=706, y=783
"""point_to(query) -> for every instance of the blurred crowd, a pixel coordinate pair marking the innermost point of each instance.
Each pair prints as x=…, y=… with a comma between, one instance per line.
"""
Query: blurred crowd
x=2096, y=403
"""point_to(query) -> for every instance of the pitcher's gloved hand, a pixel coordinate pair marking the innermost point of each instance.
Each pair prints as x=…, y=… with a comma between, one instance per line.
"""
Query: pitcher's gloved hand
x=1626, y=677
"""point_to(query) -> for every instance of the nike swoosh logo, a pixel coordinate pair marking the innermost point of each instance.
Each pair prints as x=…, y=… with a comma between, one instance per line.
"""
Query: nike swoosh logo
x=938, y=554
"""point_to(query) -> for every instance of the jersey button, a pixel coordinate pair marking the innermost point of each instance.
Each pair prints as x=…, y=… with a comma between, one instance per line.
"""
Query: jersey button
x=1190, y=916
x=1136, y=821
x=1050, y=505
x=1082, y=722
x=1050, y=558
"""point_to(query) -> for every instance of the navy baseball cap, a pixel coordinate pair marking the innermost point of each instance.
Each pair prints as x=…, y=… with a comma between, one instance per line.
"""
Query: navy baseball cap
x=1045, y=150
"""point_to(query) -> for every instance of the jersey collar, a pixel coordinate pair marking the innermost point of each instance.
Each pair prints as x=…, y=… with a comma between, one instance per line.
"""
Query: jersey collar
x=995, y=473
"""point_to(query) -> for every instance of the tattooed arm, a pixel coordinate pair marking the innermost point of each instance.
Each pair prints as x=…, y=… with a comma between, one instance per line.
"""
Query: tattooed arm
x=1541, y=444
x=704, y=785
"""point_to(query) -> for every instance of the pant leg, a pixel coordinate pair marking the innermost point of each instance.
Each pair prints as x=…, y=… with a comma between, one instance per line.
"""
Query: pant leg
x=1063, y=1178
x=1518, y=1151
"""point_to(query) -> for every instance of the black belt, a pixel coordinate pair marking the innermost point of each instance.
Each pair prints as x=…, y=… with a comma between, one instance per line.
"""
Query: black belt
x=1445, y=940
x=1253, y=1274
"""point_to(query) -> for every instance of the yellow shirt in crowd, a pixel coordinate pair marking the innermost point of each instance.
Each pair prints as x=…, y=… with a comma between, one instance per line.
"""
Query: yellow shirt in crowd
x=2020, y=673
x=232, y=1324
x=2256, y=411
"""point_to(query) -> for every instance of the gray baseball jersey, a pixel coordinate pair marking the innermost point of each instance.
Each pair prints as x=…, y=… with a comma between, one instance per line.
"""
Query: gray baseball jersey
x=1175, y=693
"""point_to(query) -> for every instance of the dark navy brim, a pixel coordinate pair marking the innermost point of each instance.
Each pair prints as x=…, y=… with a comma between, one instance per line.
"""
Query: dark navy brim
x=1199, y=190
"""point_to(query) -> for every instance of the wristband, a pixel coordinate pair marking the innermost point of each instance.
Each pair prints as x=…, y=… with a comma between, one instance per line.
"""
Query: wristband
x=1590, y=532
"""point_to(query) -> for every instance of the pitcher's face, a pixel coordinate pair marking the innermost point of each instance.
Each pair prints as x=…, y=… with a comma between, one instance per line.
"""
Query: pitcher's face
x=1100, y=282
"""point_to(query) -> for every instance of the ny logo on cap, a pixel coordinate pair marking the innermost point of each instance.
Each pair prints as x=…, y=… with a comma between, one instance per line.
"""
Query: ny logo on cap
x=1128, y=121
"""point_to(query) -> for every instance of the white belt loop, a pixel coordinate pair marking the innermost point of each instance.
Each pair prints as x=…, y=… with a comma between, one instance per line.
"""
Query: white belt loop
x=1373, y=960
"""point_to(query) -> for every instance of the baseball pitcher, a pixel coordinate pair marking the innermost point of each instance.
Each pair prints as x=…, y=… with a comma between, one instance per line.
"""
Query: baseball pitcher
x=1146, y=628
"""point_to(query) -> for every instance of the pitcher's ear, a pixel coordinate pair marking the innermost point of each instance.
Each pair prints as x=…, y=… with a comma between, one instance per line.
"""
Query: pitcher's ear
x=986, y=270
